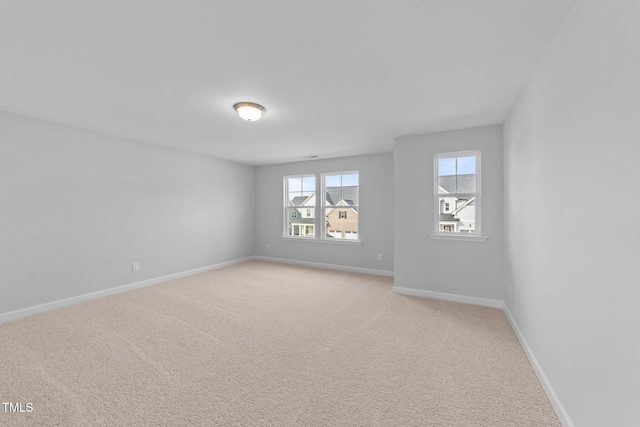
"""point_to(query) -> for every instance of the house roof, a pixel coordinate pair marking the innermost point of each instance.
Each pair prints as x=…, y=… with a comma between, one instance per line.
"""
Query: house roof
x=458, y=183
x=348, y=194
x=298, y=201
x=335, y=196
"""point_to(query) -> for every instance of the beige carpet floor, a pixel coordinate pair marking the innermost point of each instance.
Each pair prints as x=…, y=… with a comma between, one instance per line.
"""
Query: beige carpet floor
x=266, y=344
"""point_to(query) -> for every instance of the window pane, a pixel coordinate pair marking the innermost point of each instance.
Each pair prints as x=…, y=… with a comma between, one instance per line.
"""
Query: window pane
x=341, y=210
x=456, y=192
x=466, y=174
x=301, y=222
x=342, y=188
x=294, y=184
x=300, y=190
x=466, y=183
x=333, y=180
x=349, y=179
x=447, y=166
x=342, y=223
x=466, y=165
x=300, y=209
x=457, y=175
x=457, y=215
x=309, y=184
x=447, y=184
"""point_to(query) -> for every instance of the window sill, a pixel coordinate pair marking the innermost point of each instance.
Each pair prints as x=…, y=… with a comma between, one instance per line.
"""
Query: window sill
x=334, y=241
x=458, y=237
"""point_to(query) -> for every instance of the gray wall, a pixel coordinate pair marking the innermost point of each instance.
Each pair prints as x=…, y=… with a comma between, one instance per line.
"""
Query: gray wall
x=77, y=208
x=572, y=151
x=376, y=213
x=455, y=267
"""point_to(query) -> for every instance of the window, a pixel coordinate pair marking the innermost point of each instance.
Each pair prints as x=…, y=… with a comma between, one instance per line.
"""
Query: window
x=457, y=193
x=300, y=194
x=338, y=208
x=341, y=191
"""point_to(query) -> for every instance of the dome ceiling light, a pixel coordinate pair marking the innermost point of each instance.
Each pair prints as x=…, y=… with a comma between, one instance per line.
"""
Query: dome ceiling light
x=249, y=111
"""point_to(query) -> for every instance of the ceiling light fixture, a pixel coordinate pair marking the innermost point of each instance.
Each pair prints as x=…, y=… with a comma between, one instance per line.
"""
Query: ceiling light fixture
x=249, y=111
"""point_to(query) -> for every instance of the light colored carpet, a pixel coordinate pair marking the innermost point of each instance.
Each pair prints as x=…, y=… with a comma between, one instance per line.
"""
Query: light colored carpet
x=265, y=344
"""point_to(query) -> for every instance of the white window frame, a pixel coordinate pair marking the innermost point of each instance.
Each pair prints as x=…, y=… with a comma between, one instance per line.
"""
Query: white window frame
x=323, y=213
x=285, y=216
x=320, y=210
x=437, y=234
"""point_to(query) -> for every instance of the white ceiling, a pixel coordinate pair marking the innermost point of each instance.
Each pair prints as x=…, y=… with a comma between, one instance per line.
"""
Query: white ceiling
x=338, y=78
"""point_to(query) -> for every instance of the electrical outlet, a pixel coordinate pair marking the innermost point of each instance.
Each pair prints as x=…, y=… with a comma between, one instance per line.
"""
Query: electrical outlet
x=379, y=257
x=268, y=246
x=135, y=266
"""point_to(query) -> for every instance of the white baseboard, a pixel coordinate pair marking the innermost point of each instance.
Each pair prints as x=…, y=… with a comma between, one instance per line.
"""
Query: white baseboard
x=17, y=314
x=562, y=414
x=449, y=297
x=328, y=266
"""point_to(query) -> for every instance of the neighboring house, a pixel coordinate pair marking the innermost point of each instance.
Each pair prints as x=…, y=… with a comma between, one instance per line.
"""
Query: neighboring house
x=341, y=214
x=302, y=219
x=342, y=221
x=457, y=215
